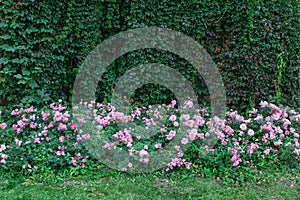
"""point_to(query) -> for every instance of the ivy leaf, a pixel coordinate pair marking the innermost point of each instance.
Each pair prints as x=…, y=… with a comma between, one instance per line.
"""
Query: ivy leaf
x=33, y=85
x=18, y=76
x=3, y=61
x=21, y=82
x=25, y=72
x=7, y=47
x=3, y=24
x=31, y=30
x=5, y=37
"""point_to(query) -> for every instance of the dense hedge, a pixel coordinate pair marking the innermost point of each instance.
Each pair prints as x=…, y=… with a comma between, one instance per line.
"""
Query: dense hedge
x=254, y=43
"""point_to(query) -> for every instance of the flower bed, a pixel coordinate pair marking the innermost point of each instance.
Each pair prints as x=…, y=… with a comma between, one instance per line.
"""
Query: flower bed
x=34, y=140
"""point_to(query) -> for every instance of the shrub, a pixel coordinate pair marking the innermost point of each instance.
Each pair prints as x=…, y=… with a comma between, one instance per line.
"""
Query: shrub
x=50, y=139
x=40, y=140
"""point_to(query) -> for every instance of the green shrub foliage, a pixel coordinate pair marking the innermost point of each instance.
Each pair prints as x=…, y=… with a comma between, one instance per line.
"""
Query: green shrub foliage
x=255, y=44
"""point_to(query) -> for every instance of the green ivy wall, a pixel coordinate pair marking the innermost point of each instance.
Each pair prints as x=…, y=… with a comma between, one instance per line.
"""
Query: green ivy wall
x=255, y=44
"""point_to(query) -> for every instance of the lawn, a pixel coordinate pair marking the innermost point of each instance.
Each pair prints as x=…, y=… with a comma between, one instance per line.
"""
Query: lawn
x=145, y=187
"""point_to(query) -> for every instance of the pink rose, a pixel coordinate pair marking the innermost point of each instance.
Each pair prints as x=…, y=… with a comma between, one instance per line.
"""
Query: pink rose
x=243, y=127
x=61, y=138
x=184, y=141
x=250, y=132
x=3, y=126
x=172, y=118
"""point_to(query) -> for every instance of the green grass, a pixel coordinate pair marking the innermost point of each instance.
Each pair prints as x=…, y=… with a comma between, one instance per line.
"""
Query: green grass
x=144, y=187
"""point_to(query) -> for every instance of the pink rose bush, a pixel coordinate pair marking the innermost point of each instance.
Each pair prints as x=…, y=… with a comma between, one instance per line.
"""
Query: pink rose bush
x=54, y=138
x=33, y=140
x=267, y=134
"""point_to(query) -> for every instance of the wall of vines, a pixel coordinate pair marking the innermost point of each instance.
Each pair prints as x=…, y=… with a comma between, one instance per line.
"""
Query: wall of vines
x=254, y=43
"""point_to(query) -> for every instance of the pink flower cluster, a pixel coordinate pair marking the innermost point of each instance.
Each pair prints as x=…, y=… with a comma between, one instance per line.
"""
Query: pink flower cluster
x=177, y=162
x=261, y=134
x=108, y=116
x=258, y=135
x=50, y=130
x=267, y=131
x=79, y=159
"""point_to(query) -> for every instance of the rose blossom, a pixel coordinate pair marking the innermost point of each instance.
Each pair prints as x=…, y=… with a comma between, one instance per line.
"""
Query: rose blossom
x=250, y=132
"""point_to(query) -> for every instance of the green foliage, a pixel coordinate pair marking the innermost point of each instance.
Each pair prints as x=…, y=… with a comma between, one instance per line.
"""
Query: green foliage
x=244, y=39
x=44, y=42
x=41, y=45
